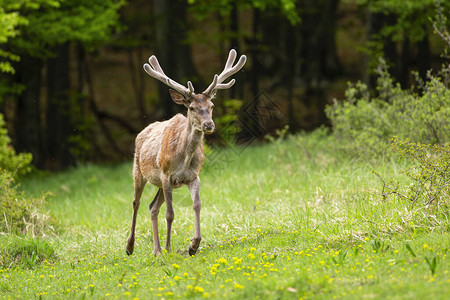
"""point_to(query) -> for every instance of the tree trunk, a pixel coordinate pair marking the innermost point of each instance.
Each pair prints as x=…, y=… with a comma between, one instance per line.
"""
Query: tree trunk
x=290, y=76
x=375, y=23
x=58, y=118
x=318, y=54
x=405, y=60
x=173, y=53
x=28, y=118
x=423, y=56
x=234, y=43
x=138, y=83
x=318, y=41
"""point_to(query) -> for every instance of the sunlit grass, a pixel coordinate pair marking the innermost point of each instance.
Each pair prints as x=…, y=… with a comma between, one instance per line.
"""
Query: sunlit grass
x=293, y=219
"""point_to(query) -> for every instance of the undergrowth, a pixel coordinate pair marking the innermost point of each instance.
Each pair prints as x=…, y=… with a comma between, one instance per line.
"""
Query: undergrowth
x=25, y=252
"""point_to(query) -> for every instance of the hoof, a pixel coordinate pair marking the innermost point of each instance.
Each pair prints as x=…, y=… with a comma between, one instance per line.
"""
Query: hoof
x=129, y=252
x=192, y=251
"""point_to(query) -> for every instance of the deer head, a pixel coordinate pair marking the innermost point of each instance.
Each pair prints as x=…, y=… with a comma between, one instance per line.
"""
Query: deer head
x=199, y=106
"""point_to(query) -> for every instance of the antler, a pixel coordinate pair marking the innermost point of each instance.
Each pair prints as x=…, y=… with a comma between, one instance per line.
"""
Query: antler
x=227, y=72
x=155, y=70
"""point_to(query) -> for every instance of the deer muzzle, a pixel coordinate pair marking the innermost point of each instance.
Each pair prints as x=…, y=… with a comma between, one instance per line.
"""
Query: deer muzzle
x=208, y=127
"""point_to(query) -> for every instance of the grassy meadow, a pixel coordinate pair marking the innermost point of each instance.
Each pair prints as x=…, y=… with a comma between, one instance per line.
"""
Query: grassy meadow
x=293, y=219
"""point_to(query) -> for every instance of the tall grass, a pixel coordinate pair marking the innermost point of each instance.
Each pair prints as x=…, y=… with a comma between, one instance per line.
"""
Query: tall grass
x=292, y=219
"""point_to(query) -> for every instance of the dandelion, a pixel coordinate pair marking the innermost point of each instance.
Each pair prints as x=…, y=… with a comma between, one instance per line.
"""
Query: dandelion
x=222, y=261
x=274, y=270
x=251, y=256
x=175, y=266
x=238, y=286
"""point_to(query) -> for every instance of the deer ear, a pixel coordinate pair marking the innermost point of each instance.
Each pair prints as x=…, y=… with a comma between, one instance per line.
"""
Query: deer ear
x=178, y=98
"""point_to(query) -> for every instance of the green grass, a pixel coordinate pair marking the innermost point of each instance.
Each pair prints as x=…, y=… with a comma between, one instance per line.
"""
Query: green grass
x=292, y=219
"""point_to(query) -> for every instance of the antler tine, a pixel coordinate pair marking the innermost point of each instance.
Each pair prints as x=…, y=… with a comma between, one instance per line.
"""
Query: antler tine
x=154, y=69
x=231, y=58
x=190, y=86
x=155, y=64
x=227, y=72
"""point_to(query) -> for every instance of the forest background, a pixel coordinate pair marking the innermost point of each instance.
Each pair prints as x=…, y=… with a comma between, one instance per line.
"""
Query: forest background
x=73, y=90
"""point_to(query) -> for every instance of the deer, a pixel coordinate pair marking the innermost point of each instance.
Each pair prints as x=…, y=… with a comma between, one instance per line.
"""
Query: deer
x=169, y=154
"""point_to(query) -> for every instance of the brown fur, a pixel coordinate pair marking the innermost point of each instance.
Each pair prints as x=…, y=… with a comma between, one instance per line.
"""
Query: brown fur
x=170, y=154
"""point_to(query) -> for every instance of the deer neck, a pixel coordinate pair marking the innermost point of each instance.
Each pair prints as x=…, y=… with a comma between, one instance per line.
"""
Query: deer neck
x=191, y=140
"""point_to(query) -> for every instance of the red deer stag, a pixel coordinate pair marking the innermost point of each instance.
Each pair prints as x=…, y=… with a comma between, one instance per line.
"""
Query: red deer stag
x=170, y=154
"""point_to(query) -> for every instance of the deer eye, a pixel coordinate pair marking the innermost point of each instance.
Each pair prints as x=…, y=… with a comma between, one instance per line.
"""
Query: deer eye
x=191, y=108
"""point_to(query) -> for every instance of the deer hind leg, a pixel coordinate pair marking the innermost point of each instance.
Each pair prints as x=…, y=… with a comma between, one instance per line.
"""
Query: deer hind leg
x=139, y=185
x=154, y=207
x=194, y=189
x=167, y=189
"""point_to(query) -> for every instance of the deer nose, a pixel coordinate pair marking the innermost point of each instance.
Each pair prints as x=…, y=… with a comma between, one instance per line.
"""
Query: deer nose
x=208, y=127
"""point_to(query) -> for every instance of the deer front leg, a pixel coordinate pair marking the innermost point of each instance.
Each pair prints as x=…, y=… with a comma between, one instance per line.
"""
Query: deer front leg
x=167, y=189
x=194, y=189
x=154, y=207
x=139, y=185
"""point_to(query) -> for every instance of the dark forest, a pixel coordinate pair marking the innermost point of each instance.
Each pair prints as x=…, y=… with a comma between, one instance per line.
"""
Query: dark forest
x=73, y=89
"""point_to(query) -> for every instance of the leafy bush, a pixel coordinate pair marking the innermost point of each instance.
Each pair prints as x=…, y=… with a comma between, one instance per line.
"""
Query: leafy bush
x=9, y=159
x=25, y=251
x=21, y=214
x=364, y=124
x=430, y=175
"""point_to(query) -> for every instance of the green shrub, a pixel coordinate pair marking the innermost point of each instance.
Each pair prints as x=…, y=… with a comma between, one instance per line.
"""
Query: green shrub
x=21, y=214
x=364, y=124
x=9, y=159
x=429, y=176
x=25, y=251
